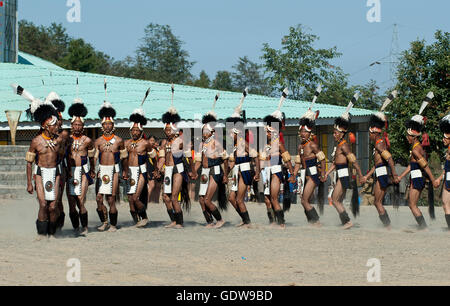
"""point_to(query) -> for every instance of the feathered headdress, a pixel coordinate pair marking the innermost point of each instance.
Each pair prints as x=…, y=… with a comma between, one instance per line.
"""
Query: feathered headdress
x=308, y=120
x=342, y=123
x=106, y=112
x=210, y=117
x=171, y=117
x=138, y=115
x=416, y=124
x=42, y=112
x=276, y=116
x=378, y=121
x=444, y=125
x=55, y=99
x=78, y=110
x=237, y=114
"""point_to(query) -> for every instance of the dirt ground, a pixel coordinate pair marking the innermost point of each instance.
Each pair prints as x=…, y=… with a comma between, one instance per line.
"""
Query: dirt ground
x=298, y=255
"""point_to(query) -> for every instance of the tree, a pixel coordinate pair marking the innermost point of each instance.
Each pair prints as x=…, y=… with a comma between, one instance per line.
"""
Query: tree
x=203, y=80
x=223, y=81
x=160, y=56
x=49, y=43
x=249, y=74
x=83, y=57
x=422, y=68
x=369, y=97
x=298, y=65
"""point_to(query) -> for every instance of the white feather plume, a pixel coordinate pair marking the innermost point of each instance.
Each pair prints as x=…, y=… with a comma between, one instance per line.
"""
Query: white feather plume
x=277, y=114
x=139, y=111
x=77, y=100
x=388, y=100
x=172, y=110
x=52, y=96
x=318, y=90
x=309, y=115
x=381, y=115
x=25, y=94
x=418, y=118
x=283, y=97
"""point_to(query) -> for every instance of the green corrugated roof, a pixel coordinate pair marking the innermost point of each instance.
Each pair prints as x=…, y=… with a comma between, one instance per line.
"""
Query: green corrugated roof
x=126, y=94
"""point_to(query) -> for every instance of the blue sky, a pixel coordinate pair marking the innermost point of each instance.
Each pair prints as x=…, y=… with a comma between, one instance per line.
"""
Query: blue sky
x=216, y=33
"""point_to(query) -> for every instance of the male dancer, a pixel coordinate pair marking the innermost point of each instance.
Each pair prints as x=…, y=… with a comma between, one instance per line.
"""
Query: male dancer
x=138, y=149
x=239, y=162
x=44, y=152
x=81, y=172
x=309, y=155
x=210, y=156
x=382, y=160
x=54, y=98
x=171, y=165
x=445, y=129
x=111, y=151
x=342, y=157
x=152, y=163
x=418, y=165
x=274, y=154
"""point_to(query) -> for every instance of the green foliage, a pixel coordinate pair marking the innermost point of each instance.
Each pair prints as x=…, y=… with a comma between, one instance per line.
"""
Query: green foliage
x=298, y=65
x=83, y=57
x=223, y=81
x=422, y=68
x=250, y=74
x=160, y=56
x=203, y=80
x=49, y=43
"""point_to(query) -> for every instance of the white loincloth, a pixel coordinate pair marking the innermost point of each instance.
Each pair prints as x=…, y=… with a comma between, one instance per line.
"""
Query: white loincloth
x=134, y=179
x=75, y=181
x=204, y=181
x=48, y=181
x=168, y=175
x=106, y=179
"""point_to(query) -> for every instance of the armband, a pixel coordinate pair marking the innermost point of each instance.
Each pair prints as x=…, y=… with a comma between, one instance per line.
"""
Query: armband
x=386, y=155
x=30, y=157
x=297, y=159
x=91, y=153
x=123, y=153
x=152, y=154
x=225, y=155
x=351, y=157
x=253, y=153
x=320, y=156
x=162, y=153
x=286, y=157
x=422, y=163
x=198, y=157
x=263, y=156
x=97, y=154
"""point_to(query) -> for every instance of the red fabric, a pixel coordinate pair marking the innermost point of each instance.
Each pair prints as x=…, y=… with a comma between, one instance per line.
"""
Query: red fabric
x=249, y=137
x=352, y=138
x=281, y=138
x=425, y=140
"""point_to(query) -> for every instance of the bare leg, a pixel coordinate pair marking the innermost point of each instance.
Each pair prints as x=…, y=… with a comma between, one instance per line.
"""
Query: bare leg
x=446, y=205
x=270, y=212
x=337, y=202
x=138, y=203
x=212, y=187
x=242, y=188
x=176, y=188
x=310, y=211
x=379, y=196
x=274, y=193
x=414, y=195
x=43, y=215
